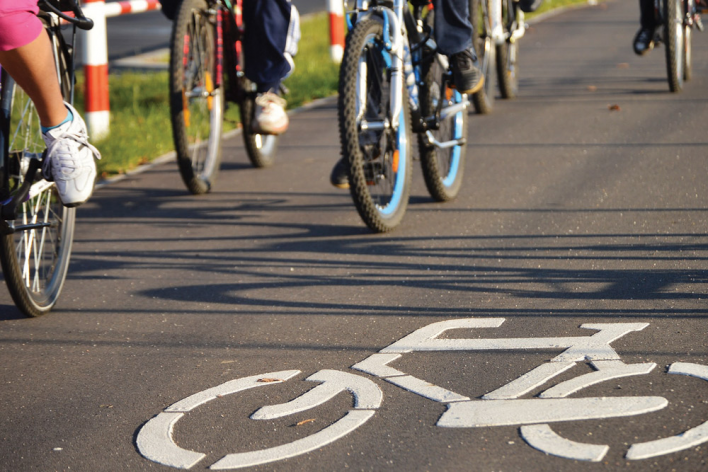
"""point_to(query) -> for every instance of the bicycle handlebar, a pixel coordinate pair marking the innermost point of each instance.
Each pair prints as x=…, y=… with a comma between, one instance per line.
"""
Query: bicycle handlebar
x=79, y=19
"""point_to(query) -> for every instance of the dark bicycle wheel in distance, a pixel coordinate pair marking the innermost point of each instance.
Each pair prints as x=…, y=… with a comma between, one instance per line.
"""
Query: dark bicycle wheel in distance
x=196, y=102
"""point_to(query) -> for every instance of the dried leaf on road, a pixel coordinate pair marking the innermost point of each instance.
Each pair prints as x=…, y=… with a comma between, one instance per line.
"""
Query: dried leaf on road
x=614, y=108
x=266, y=379
x=300, y=423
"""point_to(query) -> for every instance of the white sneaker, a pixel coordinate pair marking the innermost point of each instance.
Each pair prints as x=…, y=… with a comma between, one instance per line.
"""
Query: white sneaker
x=270, y=114
x=69, y=160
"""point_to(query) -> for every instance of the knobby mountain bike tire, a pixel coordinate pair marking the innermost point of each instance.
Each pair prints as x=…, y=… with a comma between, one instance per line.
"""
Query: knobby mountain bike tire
x=196, y=102
x=507, y=56
x=674, y=39
x=261, y=148
x=35, y=259
x=483, y=100
x=443, y=168
x=380, y=160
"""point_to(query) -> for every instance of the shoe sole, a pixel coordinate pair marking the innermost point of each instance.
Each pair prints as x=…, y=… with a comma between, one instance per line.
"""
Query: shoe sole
x=476, y=88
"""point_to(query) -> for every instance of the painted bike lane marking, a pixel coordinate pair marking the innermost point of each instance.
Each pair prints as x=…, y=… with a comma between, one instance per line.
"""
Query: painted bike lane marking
x=501, y=407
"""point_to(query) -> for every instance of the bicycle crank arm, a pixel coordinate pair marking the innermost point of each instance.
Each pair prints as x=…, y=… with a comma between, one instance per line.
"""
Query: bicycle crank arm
x=453, y=110
x=9, y=210
x=477, y=414
x=444, y=145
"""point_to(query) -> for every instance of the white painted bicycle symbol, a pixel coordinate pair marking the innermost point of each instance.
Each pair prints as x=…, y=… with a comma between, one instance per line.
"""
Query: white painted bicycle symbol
x=501, y=407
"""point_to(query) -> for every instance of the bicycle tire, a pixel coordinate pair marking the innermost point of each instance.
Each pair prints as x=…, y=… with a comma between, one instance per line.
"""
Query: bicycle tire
x=507, y=56
x=34, y=261
x=690, y=8
x=196, y=102
x=483, y=100
x=443, y=169
x=673, y=37
x=261, y=148
x=378, y=185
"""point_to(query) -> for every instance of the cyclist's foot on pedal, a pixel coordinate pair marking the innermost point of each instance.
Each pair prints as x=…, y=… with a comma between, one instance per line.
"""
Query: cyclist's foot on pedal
x=339, y=177
x=466, y=76
x=270, y=115
x=644, y=41
x=69, y=161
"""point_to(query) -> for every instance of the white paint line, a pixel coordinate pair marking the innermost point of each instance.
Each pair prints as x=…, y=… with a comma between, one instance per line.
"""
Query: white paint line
x=340, y=428
x=155, y=443
x=543, y=438
x=376, y=364
x=232, y=386
x=367, y=395
x=578, y=348
x=529, y=381
x=482, y=413
x=426, y=389
x=606, y=370
x=424, y=339
x=688, y=439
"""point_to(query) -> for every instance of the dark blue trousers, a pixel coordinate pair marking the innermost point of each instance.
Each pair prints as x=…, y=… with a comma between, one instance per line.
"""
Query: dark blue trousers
x=452, y=28
x=266, y=23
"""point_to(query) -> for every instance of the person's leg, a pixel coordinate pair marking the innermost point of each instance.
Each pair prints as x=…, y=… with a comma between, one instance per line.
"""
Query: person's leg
x=26, y=54
x=644, y=40
x=266, y=24
x=453, y=34
x=453, y=30
x=32, y=67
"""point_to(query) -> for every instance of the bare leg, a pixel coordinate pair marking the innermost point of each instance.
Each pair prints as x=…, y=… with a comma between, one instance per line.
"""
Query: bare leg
x=32, y=67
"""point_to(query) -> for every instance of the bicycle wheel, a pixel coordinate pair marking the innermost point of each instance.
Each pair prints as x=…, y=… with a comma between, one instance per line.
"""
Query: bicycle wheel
x=196, y=103
x=483, y=100
x=34, y=259
x=690, y=6
x=442, y=167
x=259, y=147
x=379, y=154
x=507, y=55
x=673, y=36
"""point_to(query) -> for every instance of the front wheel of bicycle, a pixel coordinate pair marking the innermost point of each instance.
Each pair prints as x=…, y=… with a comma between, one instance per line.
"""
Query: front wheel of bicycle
x=260, y=148
x=674, y=38
x=35, y=259
x=507, y=55
x=443, y=167
x=377, y=150
x=196, y=102
x=483, y=100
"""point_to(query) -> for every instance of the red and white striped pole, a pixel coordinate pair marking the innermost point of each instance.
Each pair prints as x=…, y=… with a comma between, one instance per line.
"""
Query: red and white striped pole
x=336, y=29
x=95, y=59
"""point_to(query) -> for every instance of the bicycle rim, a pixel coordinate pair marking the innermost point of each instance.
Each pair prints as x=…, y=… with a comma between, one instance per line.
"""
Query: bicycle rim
x=34, y=260
x=483, y=100
x=379, y=159
x=507, y=56
x=197, y=103
x=673, y=33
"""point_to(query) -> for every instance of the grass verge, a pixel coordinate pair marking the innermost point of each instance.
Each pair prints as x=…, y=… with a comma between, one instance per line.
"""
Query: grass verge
x=140, y=121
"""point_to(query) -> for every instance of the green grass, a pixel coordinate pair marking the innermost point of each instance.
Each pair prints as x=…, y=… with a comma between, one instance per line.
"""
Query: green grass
x=140, y=122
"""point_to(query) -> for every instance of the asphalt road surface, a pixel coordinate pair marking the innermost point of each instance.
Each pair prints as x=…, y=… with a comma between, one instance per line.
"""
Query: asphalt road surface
x=134, y=34
x=574, y=262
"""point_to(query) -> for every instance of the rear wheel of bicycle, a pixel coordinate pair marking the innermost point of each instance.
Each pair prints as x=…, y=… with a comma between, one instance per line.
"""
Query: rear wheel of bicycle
x=35, y=259
x=687, y=37
x=674, y=38
x=443, y=168
x=259, y=147
x=196, y=103
x=378, y=151
x=507, y=55
x=483, y=100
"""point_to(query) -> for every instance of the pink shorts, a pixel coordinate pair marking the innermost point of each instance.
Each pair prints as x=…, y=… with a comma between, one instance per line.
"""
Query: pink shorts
x=19, y=24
